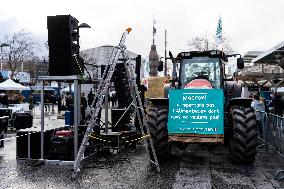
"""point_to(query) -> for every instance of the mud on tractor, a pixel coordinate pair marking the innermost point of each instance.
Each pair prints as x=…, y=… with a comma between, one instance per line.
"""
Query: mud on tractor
x=200, y=105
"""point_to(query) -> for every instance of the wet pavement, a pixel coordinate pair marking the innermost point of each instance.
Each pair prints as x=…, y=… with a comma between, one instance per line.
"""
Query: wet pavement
x=197, y=167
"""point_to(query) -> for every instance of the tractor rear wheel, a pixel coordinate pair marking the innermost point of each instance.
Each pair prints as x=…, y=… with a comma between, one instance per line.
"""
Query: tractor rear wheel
x=244, y=141
x=157, y=119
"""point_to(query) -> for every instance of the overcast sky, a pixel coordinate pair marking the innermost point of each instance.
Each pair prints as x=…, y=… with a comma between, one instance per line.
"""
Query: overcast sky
x=251, y=24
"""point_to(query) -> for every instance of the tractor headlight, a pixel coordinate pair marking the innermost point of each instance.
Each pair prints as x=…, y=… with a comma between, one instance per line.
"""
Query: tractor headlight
x=185, y=54
x=214, y=52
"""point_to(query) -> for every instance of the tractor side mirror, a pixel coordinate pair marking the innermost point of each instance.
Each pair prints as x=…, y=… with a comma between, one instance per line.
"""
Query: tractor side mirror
x=240, y=63
x=160, y=66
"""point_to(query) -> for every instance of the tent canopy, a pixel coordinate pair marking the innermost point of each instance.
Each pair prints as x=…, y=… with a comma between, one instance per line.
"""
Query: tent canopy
x=273, y=56
x=11, y=85
x=38, y=88
x=67, y=89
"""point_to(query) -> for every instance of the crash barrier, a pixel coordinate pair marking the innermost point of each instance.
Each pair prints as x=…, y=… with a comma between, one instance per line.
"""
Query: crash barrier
x=271, y=133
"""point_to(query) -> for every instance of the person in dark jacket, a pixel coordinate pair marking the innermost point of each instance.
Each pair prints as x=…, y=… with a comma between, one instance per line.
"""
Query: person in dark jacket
x=53, y=100
x=69, y=102
x=31, y=101
x=59, y=103
x=83, y=107
x=279, y=105
x=47, y=101
x=90, y=98
x=259, y=108
x=5, y=100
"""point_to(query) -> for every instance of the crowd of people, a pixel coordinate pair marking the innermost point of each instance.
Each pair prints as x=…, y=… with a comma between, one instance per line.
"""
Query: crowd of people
x=275, y=106
x=16, y=99
x=65, y=102
x=3, y=99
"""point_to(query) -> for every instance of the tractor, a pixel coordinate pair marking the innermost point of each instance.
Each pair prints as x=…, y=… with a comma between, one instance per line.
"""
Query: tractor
x=201, y=105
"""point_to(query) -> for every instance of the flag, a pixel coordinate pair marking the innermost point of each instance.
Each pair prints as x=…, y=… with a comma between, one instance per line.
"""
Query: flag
x=146, y=68
x=154, y=30
x=154, y=21
x=219, y=35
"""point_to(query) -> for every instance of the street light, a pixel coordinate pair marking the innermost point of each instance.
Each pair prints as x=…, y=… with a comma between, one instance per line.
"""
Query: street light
x=2, y=45
x=83, y=25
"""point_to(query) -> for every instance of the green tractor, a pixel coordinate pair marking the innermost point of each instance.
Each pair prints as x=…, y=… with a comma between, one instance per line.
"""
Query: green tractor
x=200, y=105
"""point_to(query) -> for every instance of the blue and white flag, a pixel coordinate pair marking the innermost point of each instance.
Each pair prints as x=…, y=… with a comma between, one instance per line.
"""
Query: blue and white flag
x=146, y=68
x=154, y=28
x=219, y=35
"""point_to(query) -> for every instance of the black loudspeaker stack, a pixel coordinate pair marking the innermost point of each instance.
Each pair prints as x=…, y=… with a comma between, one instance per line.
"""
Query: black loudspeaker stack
x=22, y=120
x=63, y=42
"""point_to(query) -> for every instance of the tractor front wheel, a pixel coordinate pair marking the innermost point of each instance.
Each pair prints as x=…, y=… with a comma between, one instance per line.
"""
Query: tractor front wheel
x=157, y=122
x=244, y=141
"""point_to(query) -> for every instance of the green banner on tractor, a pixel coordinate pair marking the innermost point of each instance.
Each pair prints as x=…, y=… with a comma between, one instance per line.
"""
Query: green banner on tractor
x=198, y=111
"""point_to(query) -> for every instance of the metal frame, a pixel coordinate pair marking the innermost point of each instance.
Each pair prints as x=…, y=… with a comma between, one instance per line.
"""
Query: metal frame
x=272, y=136
x=77, y=90
x=274, y=56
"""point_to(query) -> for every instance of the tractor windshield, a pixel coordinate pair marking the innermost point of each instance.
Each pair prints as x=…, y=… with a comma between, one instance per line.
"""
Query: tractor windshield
x=201, y=68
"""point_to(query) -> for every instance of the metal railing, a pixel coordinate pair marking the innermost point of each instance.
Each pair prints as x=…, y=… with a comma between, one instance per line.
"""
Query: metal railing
x=271, y=133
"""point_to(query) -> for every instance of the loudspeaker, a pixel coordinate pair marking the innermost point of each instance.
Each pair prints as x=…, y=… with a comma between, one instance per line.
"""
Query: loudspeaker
x=35, y=138
x=22, y=120
x=4, y=121
x=6, y=112
x=63, y=42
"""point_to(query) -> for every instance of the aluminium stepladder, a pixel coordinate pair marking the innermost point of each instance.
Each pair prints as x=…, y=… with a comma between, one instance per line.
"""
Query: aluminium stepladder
x=117, y=51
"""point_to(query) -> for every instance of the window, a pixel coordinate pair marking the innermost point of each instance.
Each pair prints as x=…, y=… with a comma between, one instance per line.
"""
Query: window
x=201, y=68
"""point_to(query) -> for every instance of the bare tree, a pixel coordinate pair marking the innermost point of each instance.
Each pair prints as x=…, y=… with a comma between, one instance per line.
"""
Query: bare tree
x=21, y=49
x=207, y=42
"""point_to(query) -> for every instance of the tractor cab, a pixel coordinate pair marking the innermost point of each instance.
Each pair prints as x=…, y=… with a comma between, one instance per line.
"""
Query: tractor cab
x=200, y=70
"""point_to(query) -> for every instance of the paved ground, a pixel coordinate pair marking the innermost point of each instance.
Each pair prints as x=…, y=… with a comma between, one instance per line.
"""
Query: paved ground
x=197, y=167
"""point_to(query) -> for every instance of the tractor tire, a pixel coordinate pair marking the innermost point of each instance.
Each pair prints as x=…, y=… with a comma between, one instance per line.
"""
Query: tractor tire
x=244, y=141
x=157, y=119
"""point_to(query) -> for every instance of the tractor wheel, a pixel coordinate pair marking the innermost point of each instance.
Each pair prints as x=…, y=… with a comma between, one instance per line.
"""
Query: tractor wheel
x=157, y=122
x=244, y=141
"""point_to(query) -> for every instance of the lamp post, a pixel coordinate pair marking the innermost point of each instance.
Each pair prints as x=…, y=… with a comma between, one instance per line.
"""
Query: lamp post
x=83, y=25
x=77, y=89
x=166, y=66
x=2, y=45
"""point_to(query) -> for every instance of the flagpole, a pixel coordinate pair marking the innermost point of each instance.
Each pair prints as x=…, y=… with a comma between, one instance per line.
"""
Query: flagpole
x=166, y=67
x=153, y=31
x=222, y=45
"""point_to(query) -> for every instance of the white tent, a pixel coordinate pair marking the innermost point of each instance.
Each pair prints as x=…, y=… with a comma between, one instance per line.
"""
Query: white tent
x=38, y=88
x=9, y=84
x=67, y=89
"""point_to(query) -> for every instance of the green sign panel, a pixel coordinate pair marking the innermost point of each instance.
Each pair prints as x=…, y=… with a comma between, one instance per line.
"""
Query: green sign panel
x=199, y=111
